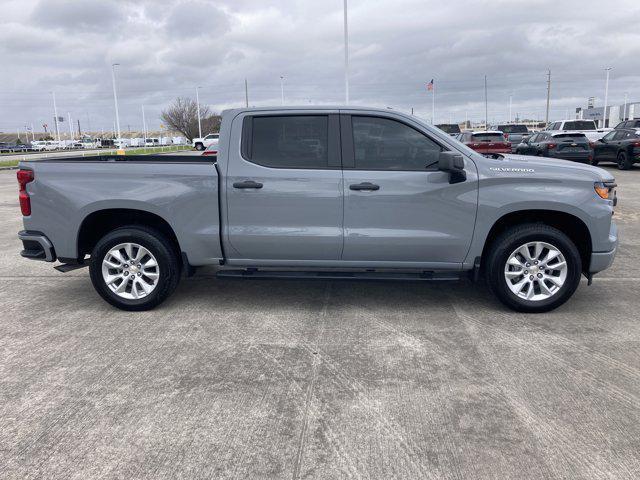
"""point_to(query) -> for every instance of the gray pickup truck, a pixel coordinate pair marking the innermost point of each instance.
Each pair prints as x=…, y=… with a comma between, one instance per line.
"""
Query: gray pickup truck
x=322, y=193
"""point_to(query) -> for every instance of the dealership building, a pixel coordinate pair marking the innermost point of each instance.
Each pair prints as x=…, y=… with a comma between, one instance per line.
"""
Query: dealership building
x=615, y=113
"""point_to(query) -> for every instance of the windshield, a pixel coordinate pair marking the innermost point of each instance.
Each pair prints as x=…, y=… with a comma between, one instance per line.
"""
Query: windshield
x=579, y=125
x=449, y=128
x=513, y=128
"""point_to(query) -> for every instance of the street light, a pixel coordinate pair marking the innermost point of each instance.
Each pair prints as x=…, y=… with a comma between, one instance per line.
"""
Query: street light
x=115, y=96
x=346, y=56
x=198, y=107
x=55, y=116
x=606, y=98
x=282, y=88
x=510, y=104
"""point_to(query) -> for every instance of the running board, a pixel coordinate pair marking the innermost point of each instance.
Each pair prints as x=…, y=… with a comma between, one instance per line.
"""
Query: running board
x=419, y=276
x=68, y=267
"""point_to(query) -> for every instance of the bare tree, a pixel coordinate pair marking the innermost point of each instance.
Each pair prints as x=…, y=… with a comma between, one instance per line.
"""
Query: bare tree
x=182, y=116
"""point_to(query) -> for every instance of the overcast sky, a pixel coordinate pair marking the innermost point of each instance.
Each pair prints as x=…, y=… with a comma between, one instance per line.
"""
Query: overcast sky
x=167, y=48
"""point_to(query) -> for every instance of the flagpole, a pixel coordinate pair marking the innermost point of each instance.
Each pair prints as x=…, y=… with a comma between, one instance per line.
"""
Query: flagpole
x=433, y=104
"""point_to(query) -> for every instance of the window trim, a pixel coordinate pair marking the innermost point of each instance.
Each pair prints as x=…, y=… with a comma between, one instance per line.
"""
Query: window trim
x=334, y=161
x=348, y=143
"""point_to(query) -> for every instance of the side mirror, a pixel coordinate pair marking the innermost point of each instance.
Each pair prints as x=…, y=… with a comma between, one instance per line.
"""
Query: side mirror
x=453, y=163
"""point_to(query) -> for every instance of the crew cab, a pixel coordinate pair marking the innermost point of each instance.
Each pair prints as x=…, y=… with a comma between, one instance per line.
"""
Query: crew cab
x=324, y=192
x=588, y=127
x=204, y=142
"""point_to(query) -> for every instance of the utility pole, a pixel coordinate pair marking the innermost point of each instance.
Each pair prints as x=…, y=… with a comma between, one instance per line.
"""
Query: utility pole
x=282, y=89
x=624, y=112
x=246, y=93
x=486, y=105
x=606, y=98
x=546, y=117
x=79, y=131
x=433, y=103
x=55, y=116
x=198, y=106
x=346, y=56
x=115, y=96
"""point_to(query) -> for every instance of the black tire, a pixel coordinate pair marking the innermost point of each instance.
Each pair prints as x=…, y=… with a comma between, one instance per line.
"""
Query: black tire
x=502, y=248
x=161, y=248
x=623, y=161
x=199, y=147
x=594, y=162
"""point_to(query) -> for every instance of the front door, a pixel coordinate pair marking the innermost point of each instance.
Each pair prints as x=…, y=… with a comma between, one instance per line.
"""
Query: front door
x=284, y=189
x=398, y=207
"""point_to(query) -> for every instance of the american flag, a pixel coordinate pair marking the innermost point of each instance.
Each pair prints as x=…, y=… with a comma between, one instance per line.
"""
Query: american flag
x=430, y=85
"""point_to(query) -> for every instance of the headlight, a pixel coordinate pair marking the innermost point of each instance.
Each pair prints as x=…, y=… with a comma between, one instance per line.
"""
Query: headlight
x=605, y=190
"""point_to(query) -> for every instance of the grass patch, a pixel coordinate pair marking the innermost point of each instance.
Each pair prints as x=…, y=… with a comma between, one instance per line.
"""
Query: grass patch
x=8, y=163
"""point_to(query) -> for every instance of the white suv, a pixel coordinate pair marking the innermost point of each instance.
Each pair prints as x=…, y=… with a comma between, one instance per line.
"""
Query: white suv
x=202, y=143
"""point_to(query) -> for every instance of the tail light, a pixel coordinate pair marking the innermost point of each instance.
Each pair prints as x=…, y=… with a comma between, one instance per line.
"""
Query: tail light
x=475, y=145
x=24, y=177
x=636, y=144
x=210, y=152
x=552, y=146
x=506, y=136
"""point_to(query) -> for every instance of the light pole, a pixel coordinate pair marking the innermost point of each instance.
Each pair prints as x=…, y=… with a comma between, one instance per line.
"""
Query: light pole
x=198, y=107
x=606, y=98
x=144, y=127
x=115, y=96
x=282, y=89
x=546, y=116
x=346, y=56
x=486, y=105
x=510, y=104
x=624, y=112
x=55, y=116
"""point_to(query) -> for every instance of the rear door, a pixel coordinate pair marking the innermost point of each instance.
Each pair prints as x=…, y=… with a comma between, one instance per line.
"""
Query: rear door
x=398, y=206
x=284, y=188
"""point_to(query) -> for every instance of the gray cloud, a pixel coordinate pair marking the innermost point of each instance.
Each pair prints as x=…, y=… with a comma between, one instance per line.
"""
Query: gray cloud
x=167, y=48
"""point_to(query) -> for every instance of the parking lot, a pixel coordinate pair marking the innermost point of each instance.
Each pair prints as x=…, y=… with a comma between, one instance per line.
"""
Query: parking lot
x=318, y=379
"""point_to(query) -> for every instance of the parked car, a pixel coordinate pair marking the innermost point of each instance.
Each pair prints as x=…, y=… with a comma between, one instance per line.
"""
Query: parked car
x=514, y=133
x=151, y=142
x=202, y=143
x=619, y=146
x=588, y=127
x=386, y=196
x=486, y=142
x=211, y=150
x=634, y=124
x=450, y=128
x=567, y=146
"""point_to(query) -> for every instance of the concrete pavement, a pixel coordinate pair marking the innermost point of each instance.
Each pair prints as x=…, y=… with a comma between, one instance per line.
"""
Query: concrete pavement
x=317, y=379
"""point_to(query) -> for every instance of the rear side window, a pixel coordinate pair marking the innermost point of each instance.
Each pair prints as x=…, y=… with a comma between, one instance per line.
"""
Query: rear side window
x=385, y=144
x=293, y=141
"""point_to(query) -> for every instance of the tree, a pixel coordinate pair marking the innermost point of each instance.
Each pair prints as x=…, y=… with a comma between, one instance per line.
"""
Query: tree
x=182, y=116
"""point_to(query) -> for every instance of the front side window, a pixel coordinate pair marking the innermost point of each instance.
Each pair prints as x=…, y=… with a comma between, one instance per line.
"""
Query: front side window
x=293, y=141
x=385, y=144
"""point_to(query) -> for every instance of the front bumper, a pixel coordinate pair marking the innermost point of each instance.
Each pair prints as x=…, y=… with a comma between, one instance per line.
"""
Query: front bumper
x=36, y=246
x=602, y=260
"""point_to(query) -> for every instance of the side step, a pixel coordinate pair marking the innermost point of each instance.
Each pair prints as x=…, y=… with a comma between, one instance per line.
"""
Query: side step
x=68, y=267
x=418, y=276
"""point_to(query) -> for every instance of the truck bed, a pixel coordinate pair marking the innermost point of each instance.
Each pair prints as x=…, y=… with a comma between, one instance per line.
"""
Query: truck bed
x=181, y=190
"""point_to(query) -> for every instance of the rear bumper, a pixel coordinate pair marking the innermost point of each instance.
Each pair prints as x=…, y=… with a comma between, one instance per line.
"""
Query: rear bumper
x=574, y=156
x=602, y=260
x=36, y=246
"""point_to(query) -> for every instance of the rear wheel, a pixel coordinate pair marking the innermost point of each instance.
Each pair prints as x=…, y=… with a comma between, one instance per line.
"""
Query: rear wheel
x=533, y=268
x=593, y=161
x=623, y=161
x=134, y=268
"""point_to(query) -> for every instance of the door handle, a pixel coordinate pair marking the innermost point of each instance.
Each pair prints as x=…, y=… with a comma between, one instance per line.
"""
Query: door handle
x=247, y=184
x=364, y=186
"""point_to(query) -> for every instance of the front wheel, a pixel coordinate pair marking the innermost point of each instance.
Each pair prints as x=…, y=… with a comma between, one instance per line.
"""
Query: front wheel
x=134, y=268
x=533, y=268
